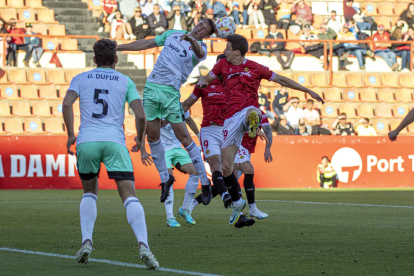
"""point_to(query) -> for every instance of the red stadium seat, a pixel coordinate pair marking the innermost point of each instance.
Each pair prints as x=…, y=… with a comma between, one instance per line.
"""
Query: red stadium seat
x=368, y=95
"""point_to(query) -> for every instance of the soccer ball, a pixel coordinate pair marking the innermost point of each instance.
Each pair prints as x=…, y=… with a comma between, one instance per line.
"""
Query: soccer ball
x=225, y=26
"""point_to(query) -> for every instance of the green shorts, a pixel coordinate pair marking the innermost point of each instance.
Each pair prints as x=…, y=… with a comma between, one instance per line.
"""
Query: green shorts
x=177, y=157
x=115, y=157
x=162, y=101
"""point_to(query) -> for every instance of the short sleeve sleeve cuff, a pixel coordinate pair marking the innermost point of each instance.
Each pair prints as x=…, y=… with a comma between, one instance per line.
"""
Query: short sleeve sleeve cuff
x=132, y=93
x=213, y=75
x=273, y=76
x=74, y=84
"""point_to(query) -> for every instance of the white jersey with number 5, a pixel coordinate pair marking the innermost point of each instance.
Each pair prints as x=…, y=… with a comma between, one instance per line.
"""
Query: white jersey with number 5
x=102, y=96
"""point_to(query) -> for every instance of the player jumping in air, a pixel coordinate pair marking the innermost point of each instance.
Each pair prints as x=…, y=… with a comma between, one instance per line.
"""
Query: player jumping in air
x=102, y=94
x=175, y=155
x=181, y=53
x=241, y=79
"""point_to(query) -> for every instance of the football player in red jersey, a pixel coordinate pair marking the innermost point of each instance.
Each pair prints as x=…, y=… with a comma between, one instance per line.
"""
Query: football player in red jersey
x=241, y=79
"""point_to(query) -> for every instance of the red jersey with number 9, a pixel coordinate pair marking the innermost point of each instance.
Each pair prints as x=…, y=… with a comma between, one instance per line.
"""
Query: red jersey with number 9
x=250, y=143
x=241, y=83
x=213, y=102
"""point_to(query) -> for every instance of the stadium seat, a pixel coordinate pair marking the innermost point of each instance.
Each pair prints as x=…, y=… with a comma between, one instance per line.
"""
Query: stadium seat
x=390, y=80
x=407, y=80
x=348, y=109
x=18, y=76
x=35, y=4
x=332, y=95
x=384, y=21
x=385, y=9
x=94, y=5
x=354, y=80
x=395, y=123
x=219, y=46
x=208, y=43
x=29, y=92
x=368, y=95
x=41, y=109
x=386, y=95
x=196, y=110
x=70, y=44
x=37, y=76
x=56, y=77
x=339, y=80
x=76, y=125
x=381, y=126
x=400, y=110
x=329, y=111
x=3, y=5
x=302, y=79
x=39, y=29
x=372, y=80
x=46, y=16
x=130, y=126
x=261, y=34
x=4, y=109
x=54, y=126
x=3, y=77
x=350, y=95
x=13, y=126
x=296, y=93
x=48, y=92
x=27, y=15
x=383, y=111
x=57, y=30
x=33, y=125
x=57, y=109
x=365, y=110
x=21, y=109
x=369, y=9
x=7, y=14
x=62, y=91
x=9, y=92
x=186, y=91
x=50, y=44
x=72, y=73
x=76, y=109
x=320, y=80
x=403, y=95
x=17, y=4
x=247, y=33
x=399, y=8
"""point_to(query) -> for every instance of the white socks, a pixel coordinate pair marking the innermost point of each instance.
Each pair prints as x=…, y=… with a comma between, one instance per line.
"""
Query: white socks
x=158, y=156
x=136, y=218
x=195, y=157
x=190, y=190
x=238, y=202
x=169, y=204
x=88, y=215
x=252, y=206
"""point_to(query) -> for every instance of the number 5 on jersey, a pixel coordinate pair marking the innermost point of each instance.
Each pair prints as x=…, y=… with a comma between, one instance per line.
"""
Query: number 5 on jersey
x=104, y=103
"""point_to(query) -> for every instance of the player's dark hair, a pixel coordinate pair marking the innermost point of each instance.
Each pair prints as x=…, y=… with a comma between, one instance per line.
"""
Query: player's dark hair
x=239, y=42
x=220, y=57
x=212, y=25
x=105, y=52
x=310, y=101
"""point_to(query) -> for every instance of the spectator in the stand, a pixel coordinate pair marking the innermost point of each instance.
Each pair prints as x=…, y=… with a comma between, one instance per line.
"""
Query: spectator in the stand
x=138, y=26
x=218, y=8
x=200, y=6
x=264, y=103
x=280, y=100
x=352, y=47
x=362, y=21
x=210, y=15
x=311, y=47
x=293, y=112
x=401, y=50
x=108, y=7
x=127, y=8
x=363, y=128
x=268, y=8
x=118, y=26
x=281, y=126
x=303, y=13
x=193, y=19
x=349, y=10
x=236, y=11
x=278, y=48
x=301, y=130
x=256, y=14
x=176, y=20
x=147, y=7
x=3, y=30
x=408, y=14
x=313, y=120
x=333, y=22
x=342, y=127
x=399, y=23
x=338, y=49
x=157, y=21
x=382, y=48
x=17, y=43
x=283, y=14
x=185, y=8
x=34, y=43
x=326, y=175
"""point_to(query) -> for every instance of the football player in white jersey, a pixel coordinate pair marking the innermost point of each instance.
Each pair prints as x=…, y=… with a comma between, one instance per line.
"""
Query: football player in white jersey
x=176, y=156
x=102, y=94
x=181, y=53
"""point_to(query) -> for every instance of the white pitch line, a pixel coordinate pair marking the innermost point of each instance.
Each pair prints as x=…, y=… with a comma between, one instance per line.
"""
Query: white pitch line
x=40, y=201
x=107, y=262
x=334, y=203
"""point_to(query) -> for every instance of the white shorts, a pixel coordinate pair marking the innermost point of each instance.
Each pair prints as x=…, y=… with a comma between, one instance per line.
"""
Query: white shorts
x=234, y=128
x=210, y=139
x=243, y=155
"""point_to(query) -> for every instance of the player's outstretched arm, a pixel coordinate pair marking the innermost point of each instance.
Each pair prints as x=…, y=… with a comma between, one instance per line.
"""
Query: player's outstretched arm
x=67, y=110
x=205, y=81
x=141, y=44
x=269, y=135
x=294, y=85
x=195, y=46
x=407, y=120
x=140, y=121
x=189, y=102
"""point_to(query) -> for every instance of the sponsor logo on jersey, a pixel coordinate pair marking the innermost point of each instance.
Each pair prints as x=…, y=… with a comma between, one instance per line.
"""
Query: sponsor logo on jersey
x=214, y=94
x=239, y=73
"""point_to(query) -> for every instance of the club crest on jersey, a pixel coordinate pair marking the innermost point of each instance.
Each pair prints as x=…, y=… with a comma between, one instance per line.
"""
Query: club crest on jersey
x=246, y=69
x=242, y=157
x=207, y=152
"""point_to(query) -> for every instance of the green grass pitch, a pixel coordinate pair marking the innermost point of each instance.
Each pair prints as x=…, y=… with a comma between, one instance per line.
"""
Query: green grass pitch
x=296, y=239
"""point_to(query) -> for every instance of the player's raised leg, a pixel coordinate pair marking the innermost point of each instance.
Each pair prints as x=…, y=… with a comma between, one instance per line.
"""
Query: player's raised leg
x=190, y=187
